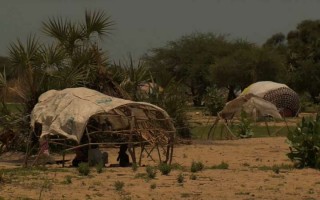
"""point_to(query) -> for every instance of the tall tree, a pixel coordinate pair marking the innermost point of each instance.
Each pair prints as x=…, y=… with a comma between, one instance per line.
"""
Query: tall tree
x=187, y=60
x=74, y=58
x=276, y=40
x=304, y=57
x=247, y=64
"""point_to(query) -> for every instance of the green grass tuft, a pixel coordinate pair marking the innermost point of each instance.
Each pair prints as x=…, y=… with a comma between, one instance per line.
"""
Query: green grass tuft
x=118, y=185
x=222, y=165
x=196, y=166
x=84, y=169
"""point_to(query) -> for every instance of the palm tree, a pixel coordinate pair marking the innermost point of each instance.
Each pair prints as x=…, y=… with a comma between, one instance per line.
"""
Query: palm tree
x=74, y=59
x=132, y=75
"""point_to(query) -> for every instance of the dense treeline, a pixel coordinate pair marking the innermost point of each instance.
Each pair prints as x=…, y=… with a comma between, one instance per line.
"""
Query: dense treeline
x=197, y=61
x=194, y=68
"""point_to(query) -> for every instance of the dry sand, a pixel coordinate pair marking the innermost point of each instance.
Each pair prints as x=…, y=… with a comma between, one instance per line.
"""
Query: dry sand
x=249, y=176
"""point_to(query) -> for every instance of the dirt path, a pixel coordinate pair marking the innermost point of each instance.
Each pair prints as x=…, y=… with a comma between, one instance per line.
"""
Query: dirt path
x=250, y=175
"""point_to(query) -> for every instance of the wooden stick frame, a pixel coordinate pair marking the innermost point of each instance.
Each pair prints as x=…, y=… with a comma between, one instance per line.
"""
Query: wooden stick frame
x=231, y=134
x=133, y=137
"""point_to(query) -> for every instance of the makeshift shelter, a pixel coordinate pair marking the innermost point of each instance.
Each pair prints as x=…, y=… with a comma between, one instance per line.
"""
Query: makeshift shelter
x=251, y=104
x=254, y=106
x=286, y=100
x=74, y=113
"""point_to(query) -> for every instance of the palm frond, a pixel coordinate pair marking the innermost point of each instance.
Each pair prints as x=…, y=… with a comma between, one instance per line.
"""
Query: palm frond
x=3, y=78
x=57, y=28
x=74, y=38
x=82, y=56
x=73, y=77
x=135, y=74
x=99, y=22
x=53, y=56
x=22, y=56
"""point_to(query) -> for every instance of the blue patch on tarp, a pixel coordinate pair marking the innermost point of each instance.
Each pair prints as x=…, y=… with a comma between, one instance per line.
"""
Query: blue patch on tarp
x=105, y=100
x=70, y=124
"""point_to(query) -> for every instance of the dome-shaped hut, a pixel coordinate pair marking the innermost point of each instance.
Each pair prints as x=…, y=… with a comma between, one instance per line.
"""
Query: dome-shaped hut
x=283, y=97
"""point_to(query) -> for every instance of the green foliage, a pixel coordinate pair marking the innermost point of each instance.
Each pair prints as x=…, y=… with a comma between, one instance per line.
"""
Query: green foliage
x=214, y=100
x=118, y=185
x=304, y=57
x=21, y=172
x=151, y=172
x=221, y=132
x=131, y=75
x=193, y=177
x=72, y=60
x=180, y=178
x=141, y=175
x=174, y=102
x=164, y=168
x=177, y=166
x=68, y=180
x=134, y=167
x=84, y=169
x=136, y=80
x=99, y=167
x=222, y=165
x=245, y=64
x=304, y=143
x=173, y=99
x=196, y=166
x=153, y=186
x=275, y=41
x=244, y=128
x=187, y=59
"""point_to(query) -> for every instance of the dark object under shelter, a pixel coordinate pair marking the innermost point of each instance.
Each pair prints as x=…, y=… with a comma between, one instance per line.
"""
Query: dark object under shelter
x=74, y=113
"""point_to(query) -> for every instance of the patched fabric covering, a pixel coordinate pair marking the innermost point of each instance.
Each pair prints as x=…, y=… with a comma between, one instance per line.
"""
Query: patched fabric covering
x=284, y=98
x=279, y=94
x=66, y=112
x=253, y=105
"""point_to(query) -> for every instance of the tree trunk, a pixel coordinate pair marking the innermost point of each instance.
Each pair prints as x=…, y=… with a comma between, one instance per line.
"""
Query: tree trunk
x=195, y=97
x=231, y=94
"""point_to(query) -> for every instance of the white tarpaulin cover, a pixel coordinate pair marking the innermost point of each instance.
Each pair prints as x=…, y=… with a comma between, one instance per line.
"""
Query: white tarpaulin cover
x=262, y=87
x=66, y=112
x=252, y=105
x=284, y=98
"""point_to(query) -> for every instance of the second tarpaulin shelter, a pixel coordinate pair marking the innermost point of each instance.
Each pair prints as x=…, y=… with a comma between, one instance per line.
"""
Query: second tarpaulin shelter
x=255, y=107
x=283, y=97
x=74, y=113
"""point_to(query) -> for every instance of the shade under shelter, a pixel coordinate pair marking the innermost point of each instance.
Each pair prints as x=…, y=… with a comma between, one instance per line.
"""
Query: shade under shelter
x=74, y=113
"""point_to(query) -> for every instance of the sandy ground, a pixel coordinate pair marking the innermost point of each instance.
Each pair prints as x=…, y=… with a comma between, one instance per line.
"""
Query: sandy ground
x=250, y=175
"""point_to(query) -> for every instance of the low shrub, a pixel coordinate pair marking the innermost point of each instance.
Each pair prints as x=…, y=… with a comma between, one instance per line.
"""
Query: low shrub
x=84, y=169
x=196, y=166
x=244, y=128
x=68, y=180
x=304, y=143
x=151, y=172
x=99, y=167
x=193, y=177
x=134, y=167
x=118, y=185
x=180, y=178
x=164, y=168
x=153, y=186
x=222, y=165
